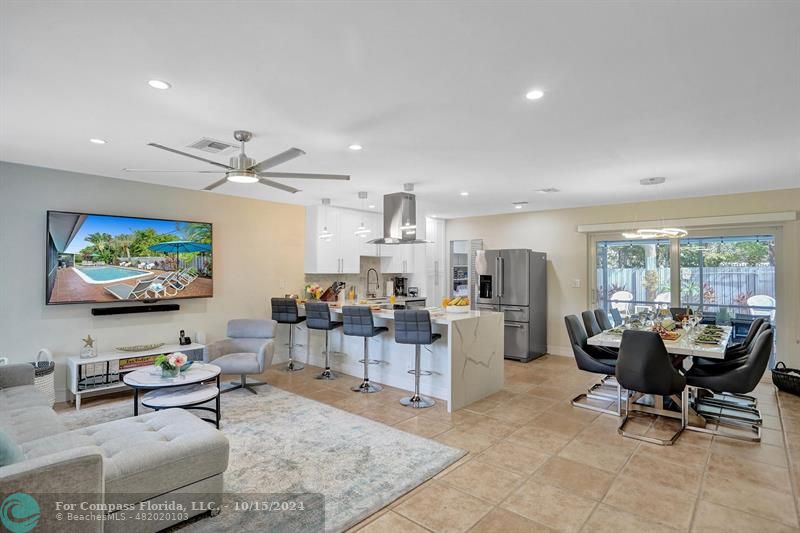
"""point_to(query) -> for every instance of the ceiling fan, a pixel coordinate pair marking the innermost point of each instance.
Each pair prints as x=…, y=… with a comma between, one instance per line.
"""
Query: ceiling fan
x=243, y=169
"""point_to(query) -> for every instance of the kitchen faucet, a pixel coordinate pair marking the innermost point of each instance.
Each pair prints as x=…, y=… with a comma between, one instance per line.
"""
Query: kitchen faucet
x=377, y=283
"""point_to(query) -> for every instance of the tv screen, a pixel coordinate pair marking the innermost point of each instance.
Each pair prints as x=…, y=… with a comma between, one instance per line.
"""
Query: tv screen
x=100, y=258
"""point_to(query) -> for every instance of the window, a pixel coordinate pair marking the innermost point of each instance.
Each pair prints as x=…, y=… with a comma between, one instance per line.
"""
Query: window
x=730, y=277
x=633, y=275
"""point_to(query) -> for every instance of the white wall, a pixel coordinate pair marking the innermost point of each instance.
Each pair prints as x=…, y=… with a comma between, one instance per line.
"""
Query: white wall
x=555, y=232
x=258, y=253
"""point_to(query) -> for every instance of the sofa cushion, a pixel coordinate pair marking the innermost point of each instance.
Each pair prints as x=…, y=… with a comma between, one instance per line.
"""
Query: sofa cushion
x=22, y=396
x=30, y=423
x=238, y=363
x=147, y=455
x=10, y=452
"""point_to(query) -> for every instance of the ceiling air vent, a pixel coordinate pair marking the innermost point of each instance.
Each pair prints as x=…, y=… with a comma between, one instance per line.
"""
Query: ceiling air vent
x=212, y=146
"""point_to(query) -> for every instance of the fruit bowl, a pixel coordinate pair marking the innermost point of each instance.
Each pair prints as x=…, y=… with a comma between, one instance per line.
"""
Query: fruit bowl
x=458, y=309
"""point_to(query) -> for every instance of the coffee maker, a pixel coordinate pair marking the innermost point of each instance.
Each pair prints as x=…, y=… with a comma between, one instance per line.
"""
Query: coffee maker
x=400, y=286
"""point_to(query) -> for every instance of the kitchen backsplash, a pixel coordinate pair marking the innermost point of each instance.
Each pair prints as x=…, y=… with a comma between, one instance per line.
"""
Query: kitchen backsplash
x=359, y=281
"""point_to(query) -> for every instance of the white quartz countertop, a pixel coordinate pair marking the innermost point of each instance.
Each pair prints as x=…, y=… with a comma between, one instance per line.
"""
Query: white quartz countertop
x=438, y=316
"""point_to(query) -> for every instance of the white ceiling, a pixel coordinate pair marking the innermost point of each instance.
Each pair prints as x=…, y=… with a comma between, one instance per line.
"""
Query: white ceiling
x=704, y=93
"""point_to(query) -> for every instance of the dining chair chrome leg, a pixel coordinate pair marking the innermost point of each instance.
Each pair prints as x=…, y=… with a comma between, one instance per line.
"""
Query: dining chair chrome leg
x=754, y=435
x=633, y=410
x=589, y=395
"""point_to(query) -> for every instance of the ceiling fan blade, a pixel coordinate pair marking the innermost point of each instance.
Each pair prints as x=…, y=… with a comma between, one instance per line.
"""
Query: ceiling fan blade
x=216, y=184
x=277, y=185
x=275, y=160
x=304, y=176
x=162, y=170
x=174, y=151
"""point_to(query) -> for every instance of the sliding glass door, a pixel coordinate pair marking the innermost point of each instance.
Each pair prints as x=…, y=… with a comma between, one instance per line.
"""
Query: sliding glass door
x=633, y=275
x=729, y=277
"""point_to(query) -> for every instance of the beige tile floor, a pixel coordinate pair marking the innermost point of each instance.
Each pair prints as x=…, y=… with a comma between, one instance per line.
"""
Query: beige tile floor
x=537, y=464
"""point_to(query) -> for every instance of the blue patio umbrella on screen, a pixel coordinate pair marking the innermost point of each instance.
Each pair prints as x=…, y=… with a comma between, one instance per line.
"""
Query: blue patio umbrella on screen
x=180, y=247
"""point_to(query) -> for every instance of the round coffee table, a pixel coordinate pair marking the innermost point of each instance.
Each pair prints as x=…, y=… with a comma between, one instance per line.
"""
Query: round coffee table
x=188, y=390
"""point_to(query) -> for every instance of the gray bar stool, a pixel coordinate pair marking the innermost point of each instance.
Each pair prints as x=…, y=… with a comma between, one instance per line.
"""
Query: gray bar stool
x=414, y=327
x=358, y=322
x=284, y=311
x=318, y=316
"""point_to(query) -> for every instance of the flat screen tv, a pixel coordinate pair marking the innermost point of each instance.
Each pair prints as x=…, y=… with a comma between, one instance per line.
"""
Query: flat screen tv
x=100, y=259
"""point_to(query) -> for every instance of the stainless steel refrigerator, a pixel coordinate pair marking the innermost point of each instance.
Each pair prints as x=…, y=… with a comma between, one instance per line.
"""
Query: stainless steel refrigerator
x=514, y=282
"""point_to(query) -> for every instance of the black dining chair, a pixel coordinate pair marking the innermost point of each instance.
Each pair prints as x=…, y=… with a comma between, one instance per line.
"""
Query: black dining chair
x=740, y=380
x=590, y=323
x=645, y=369
x=589, y=359
x=602, y=319
x=737, y=351
x=616, y=316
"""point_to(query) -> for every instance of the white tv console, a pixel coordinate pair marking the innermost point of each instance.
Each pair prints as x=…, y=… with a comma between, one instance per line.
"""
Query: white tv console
x=101, y=374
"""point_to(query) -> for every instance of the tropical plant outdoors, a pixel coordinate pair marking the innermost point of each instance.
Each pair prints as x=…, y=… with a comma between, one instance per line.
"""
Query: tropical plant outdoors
x=109, y=248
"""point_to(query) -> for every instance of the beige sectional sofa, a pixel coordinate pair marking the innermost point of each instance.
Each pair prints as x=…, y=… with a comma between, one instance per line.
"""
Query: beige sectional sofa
x=156, y=457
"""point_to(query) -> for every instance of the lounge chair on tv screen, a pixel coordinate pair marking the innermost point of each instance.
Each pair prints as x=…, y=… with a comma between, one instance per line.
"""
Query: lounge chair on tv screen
x=130, y=292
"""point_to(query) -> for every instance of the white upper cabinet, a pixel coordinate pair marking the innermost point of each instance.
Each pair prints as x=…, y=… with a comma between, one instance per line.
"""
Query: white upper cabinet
x=341, y=253
x=321, y=255
x=398, y=258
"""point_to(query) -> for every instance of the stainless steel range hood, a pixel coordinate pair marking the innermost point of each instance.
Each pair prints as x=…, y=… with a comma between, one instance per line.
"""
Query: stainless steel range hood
x=399, y=219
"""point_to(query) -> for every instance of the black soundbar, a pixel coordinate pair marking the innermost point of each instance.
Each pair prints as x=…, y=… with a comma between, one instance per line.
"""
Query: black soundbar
x=128, y=309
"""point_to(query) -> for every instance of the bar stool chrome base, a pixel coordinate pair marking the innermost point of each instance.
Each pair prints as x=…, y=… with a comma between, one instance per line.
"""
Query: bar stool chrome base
x=326, y=374
x=366, y=387
x=417, y=402
x=294, y=366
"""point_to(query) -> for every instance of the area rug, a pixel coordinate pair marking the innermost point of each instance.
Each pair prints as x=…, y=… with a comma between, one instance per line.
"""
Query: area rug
x=285, y=443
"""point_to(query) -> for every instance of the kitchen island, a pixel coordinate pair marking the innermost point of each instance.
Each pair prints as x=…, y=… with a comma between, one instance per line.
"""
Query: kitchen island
x=466, y=363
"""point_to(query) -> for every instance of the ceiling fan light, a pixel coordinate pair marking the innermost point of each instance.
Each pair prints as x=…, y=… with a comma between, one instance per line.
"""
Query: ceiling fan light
x=242, y=177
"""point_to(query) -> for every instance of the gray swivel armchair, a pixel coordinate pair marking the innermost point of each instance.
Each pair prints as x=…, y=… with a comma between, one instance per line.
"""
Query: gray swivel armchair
x=248, y=349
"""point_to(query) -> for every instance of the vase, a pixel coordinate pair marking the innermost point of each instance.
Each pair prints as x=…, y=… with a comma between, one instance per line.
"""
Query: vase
x=170, y=372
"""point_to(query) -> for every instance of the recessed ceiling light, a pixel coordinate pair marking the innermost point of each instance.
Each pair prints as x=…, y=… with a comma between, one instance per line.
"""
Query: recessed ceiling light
x=464, y=193
x=159, y=84
x=519, y=205
x=534, y=94
x=371, y=206
x=355, y=147
x=97, y=141
x=548, y=190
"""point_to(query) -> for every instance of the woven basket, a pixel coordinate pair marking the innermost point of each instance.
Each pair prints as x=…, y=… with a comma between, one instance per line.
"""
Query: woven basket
x=44, y=373
x=786, y=379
